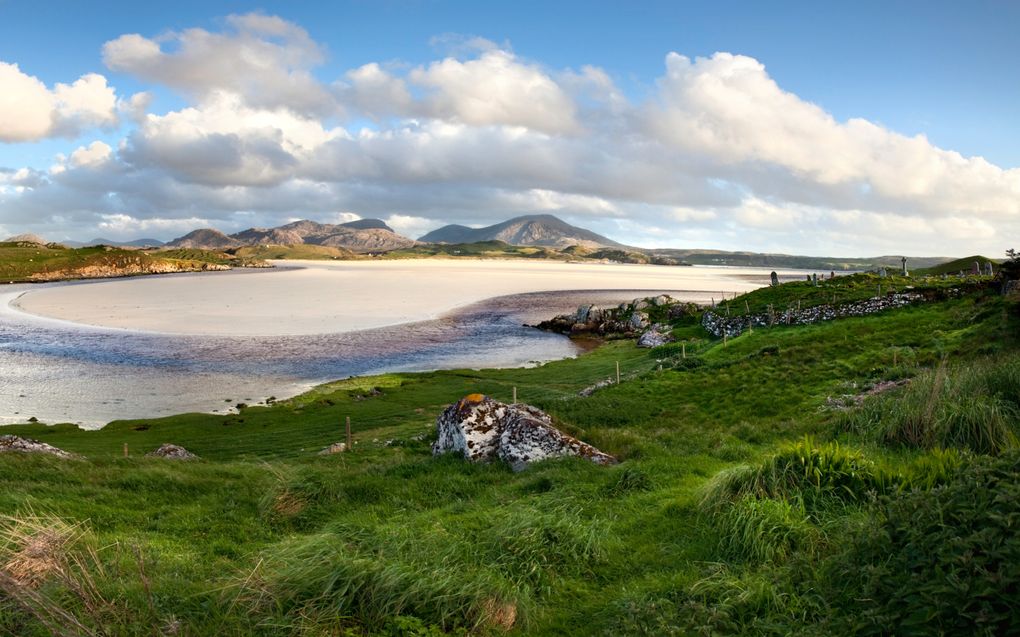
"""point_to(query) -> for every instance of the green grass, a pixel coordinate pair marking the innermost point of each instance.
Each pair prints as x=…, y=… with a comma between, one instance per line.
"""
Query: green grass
x=965, y=265
x=20, y=262
x=740, y=493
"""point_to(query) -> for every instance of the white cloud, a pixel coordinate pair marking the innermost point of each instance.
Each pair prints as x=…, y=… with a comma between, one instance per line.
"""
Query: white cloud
x=264, y=59
x=411, y=226
x=728, y=109
x=93, y=155
x=29, y=111
x=496, y=89
x=718, y=155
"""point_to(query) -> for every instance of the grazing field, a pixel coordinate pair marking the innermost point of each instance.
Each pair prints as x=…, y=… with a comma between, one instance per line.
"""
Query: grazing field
x=785, y=481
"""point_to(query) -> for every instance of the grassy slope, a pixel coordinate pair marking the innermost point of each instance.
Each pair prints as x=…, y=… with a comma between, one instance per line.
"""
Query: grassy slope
x=19, y=261
x=578, y=549
x=966, y=265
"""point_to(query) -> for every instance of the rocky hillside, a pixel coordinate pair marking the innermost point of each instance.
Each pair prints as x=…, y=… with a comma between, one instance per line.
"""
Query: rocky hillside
x=31, y=262
x=530, y=230
x=361, y=236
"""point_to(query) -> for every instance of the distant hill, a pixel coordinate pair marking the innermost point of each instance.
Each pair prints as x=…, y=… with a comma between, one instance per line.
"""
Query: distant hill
x=772, y=260
x=206, y=239
x=25, y=238
x=363, y=235
x=134, y=243
x=966, y=265
x=530, y=230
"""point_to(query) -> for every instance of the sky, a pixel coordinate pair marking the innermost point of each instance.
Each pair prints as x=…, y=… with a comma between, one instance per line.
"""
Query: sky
x=842, y=129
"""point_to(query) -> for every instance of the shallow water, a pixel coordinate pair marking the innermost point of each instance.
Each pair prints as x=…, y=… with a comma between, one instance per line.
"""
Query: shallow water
x=62, y=372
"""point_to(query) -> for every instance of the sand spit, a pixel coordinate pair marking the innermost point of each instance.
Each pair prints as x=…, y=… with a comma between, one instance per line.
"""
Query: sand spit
x=315, y=297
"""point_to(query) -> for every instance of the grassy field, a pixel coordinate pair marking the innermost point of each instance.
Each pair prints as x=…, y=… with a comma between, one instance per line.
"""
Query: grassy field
x=766, y=487
x=23, y=261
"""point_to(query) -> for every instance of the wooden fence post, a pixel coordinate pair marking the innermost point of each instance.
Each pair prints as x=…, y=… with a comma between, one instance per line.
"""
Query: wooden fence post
x=350, y=442
x=617, y=372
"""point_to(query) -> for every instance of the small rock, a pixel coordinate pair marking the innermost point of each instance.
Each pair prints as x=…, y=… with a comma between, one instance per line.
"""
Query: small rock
x=336, y=447
x=591, y=389
x=171, y=452
x=9, y=443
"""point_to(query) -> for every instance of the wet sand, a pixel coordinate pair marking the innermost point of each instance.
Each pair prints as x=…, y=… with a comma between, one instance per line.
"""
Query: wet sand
x=316, y=297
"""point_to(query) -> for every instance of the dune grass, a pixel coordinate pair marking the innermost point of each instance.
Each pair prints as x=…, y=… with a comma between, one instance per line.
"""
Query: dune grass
x=741, y=499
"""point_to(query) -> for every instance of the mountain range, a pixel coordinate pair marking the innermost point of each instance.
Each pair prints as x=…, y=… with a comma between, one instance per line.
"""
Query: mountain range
x=545, y=231
x=363, y=235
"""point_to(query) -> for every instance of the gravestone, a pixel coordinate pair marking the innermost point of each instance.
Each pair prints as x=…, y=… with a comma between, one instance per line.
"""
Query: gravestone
x=882, y=273
x=775, y=279
x=977, y=269
x=814, y=279
x=989, y=270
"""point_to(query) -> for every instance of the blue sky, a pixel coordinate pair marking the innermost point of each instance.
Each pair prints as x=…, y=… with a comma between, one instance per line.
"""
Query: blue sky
x=947, y=70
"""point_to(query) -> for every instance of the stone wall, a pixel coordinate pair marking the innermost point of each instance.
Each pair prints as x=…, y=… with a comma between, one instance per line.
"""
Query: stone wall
x=717, y=325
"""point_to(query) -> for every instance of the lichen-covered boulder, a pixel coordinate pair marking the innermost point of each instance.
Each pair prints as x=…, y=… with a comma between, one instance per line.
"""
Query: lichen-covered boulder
x=483, y=429
x=654, y=337
x=9, y=443
x=639, y=320
x=471, y=426
x=527, y=438
x=172, y=452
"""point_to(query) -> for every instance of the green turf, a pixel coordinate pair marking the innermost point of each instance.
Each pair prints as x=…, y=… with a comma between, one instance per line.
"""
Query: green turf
x=263, y=536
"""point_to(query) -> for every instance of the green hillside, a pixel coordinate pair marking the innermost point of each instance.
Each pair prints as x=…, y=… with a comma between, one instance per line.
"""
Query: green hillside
x=786, y=481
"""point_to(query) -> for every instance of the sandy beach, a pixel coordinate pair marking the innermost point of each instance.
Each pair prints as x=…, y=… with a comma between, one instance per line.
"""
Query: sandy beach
x=315, y=297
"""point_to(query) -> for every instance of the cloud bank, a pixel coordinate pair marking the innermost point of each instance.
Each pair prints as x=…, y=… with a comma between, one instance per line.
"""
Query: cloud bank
x=718, y=154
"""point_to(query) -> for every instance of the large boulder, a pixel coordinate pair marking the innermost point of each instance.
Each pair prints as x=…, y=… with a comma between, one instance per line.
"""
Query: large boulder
x=657, y=335
x=172, y=452
x=483, y=429
x=9, y=443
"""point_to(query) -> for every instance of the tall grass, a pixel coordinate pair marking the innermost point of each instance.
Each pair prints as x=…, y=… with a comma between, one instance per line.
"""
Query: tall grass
x=470, y=571
x=974, y=407
x=802, y=470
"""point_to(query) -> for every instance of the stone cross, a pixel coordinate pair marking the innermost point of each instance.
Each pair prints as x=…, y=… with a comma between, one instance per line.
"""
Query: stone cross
x=903, y=262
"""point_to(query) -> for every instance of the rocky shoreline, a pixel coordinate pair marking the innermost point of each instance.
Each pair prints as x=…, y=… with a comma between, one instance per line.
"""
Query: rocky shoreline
x=643, y=319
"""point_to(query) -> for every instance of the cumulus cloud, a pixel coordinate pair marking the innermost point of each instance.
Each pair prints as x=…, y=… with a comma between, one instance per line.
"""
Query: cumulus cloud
x=265, y=59
x=717, y=155
x=95, y=154
x=30, y=111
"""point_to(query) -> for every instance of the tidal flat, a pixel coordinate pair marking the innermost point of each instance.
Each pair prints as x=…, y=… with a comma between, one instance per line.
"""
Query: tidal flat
x=92, y=352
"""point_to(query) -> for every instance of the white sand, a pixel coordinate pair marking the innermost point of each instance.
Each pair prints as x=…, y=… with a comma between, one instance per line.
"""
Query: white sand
x=315, y=297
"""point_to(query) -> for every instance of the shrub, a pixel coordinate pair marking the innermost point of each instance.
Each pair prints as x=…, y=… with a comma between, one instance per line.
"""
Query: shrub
x=945, y=561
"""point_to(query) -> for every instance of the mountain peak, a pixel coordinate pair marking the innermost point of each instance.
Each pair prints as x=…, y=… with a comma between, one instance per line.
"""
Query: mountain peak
x=526, y=230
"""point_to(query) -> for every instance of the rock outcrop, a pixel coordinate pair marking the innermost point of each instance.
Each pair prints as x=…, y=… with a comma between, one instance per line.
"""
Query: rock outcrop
x=17, y=444
x=483, y=429
x=656, y=335
x=171, y=452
